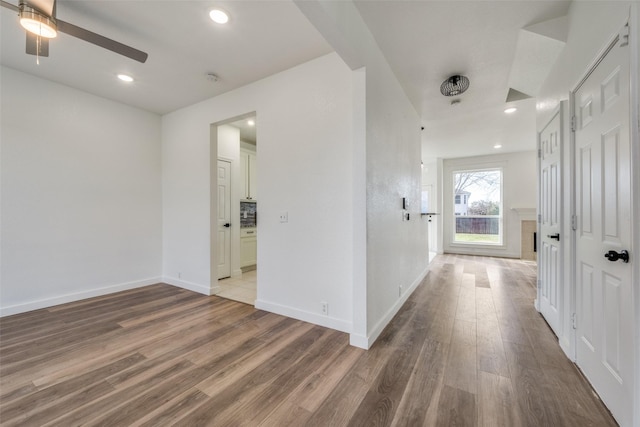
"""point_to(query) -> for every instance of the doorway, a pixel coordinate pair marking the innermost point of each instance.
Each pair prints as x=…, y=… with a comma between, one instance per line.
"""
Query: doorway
x=223, y=215
x=550, y=146
x=237, y=144
x=605, y=327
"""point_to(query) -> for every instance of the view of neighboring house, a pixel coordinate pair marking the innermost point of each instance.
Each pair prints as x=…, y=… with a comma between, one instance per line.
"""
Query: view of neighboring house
x=462, y=203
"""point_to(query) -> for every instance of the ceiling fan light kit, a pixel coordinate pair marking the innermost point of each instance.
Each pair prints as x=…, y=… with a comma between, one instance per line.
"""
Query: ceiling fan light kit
x=454, y=85
x=47, y=26
x=37, y=23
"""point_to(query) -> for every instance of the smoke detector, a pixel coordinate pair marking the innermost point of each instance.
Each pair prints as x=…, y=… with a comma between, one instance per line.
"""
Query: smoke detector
x=212, y=77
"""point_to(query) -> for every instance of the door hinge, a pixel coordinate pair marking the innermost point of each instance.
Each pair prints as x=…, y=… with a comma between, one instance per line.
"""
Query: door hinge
x=539, y=218
x=574, y=324
x=624, y=36
x=574, y=222
x=539, y=153
x=574, y=120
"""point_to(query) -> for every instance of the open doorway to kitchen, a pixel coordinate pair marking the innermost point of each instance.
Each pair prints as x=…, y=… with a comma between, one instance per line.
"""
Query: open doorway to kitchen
x=235, y=216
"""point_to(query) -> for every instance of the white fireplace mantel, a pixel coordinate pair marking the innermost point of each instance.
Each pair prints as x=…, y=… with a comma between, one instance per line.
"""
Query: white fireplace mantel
x=526, y=214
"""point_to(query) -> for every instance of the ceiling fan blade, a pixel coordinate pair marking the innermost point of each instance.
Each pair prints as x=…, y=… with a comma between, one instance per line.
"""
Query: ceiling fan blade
x=9, y=6
x=44, y=6
x=97, y=39
x=35, y=48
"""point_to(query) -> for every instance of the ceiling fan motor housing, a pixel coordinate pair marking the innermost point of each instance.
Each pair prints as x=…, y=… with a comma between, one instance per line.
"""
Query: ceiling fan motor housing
x=454, y=85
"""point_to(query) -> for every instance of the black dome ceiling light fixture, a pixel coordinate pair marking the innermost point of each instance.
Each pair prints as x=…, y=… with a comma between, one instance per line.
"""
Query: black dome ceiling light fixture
x=454, y=85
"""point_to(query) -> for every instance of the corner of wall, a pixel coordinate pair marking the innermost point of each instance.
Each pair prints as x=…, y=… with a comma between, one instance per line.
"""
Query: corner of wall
x=190, y=286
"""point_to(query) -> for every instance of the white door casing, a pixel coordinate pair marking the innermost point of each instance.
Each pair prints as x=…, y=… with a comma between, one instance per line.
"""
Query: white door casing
x=605, y=327
x=223, y=216
x=550, y=259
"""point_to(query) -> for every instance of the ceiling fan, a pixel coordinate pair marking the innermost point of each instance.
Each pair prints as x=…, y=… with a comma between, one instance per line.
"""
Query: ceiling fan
x=38, y=17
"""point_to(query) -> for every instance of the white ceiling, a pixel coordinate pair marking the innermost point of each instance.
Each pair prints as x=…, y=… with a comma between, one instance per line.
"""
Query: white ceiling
x=261, y=39
x=247, y=130
x=424, y=41
x=432, y=40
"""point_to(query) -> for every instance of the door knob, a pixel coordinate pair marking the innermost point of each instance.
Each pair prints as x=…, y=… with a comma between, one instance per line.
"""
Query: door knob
x=227, y=225
x=554, y=236
x=614, y=256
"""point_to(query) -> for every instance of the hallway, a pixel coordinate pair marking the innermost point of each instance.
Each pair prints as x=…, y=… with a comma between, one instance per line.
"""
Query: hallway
x=467, y=349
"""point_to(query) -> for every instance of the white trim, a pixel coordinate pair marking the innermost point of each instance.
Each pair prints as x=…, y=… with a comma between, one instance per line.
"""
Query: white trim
x=526, y=214
x=567, y=348
x=77, y=296
x=379, y=327
x=305, y=316
x=190, y=286
x=634, y=49
x=360, y=341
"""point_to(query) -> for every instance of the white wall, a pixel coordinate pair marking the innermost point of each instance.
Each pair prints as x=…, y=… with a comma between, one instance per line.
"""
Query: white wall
x=305, y=169
x=592, y=25
x=81, y=194
x=519, y=191
x=397, y=250
x=389, y=127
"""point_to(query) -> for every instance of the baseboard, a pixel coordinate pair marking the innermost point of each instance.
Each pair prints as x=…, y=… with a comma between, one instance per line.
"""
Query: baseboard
x=359, y=341
x=565, y=345
x=63, y=299
x=306, y=316
x=190, y=286
x=379, y=327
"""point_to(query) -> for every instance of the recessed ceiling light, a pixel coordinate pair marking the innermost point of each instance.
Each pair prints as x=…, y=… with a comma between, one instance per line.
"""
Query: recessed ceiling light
x=218, y=16
x=497, y=146
x=251, y=123
x=511, y=110
x=125, y=78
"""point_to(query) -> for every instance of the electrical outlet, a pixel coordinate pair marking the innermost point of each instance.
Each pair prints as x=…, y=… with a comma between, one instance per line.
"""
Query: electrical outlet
x=400, y=290
x=284, y=216
x=324, y=308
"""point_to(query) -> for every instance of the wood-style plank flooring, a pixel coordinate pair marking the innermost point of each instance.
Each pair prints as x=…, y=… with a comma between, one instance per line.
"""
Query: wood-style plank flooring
x=467, y=348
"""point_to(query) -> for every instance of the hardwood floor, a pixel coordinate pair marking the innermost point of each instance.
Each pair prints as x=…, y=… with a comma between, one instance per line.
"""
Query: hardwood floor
x=467, y=348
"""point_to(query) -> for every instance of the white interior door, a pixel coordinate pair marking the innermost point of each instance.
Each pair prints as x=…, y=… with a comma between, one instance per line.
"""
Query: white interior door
x=224, y=219
x=604, y=303
x=550, y=251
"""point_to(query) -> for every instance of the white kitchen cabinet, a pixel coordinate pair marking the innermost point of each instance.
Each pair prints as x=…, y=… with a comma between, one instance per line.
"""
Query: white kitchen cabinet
x=248, y=247
x=248, y=167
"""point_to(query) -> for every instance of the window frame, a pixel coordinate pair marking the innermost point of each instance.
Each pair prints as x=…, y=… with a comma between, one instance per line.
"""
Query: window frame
x=501, y=217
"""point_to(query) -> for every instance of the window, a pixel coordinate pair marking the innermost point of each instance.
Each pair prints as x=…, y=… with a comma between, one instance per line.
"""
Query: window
x=478, y=207
x=424, y=202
